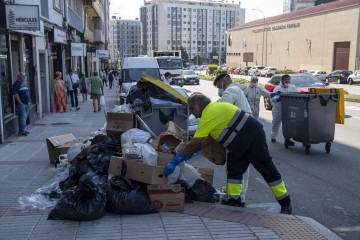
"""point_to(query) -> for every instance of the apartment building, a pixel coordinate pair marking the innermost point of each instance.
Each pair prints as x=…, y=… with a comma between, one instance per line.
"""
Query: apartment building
x=197, y=26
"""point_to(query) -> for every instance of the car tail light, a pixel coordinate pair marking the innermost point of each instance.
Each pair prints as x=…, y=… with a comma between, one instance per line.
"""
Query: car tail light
x=269, y=71
x=257, y=70
x=341, y=75
x=317, y=75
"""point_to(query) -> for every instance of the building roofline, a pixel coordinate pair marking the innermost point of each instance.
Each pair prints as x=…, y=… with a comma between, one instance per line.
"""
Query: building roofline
x=323, y=8
x=217, y=2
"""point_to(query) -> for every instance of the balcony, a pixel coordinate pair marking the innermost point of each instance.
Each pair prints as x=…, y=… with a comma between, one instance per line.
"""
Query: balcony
x=92, y=8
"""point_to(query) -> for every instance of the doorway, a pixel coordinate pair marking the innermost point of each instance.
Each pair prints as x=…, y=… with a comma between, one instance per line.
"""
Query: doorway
x=341, y=56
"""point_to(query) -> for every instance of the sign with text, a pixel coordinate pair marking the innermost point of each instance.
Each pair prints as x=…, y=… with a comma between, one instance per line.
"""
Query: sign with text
x=248, y=57
x=59, y=36
x=78, y=50
x=103, y=53
x=22, y=17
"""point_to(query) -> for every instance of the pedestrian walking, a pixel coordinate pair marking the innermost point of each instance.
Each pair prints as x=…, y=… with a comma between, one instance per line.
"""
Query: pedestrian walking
x=285, y=86
x=253, y=94
x=232, y=93
x=22, y=102
x=244, y=138
x=60, y=96
x=104, y=78
x=96, y=86
x=73, y=82
x=111, y=79
x=84, y=82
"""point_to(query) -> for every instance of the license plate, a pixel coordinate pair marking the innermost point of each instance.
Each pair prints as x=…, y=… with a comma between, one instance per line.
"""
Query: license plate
x=192, y=80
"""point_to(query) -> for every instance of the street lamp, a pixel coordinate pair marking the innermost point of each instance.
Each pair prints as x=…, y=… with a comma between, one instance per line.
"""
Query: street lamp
x=262, y=52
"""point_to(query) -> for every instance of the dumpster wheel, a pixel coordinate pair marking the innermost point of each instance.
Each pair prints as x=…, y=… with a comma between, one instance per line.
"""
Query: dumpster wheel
x=327, y=147
x=307, y=149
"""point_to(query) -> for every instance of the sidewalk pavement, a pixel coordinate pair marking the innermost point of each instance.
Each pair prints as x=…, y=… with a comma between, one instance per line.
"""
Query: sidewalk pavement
x=24, y=167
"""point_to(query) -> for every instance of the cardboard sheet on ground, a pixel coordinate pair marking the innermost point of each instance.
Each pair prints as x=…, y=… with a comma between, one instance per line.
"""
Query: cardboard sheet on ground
x=164, y=86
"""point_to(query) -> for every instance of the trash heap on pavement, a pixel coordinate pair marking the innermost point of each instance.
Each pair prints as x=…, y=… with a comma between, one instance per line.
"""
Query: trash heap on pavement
x=120, y=172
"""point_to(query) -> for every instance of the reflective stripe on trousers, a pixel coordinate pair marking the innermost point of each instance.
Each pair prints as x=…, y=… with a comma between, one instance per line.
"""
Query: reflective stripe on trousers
x=279, y=190
x=233, y=188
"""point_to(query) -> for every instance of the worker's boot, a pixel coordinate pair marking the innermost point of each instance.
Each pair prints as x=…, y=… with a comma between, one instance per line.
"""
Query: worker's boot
x=231, y=202
x=287, y=209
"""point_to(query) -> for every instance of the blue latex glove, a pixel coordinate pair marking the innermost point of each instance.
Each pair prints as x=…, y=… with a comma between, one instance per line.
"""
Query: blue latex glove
x=170, y=167
x=274, y=94
x=198, y=148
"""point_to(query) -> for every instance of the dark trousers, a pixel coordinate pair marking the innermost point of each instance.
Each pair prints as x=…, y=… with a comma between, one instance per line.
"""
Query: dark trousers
x=110, y=84
x=74, y=94
x=258, y=155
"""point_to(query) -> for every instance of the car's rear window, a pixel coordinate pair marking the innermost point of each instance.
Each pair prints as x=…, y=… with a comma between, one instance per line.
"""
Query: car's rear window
x=272, y=68
x=321, y=72
x=261, y=67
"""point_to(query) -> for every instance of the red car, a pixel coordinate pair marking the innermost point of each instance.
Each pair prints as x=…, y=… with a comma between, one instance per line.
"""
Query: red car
x=237, y=70
x=231, y=70
x=301, y=81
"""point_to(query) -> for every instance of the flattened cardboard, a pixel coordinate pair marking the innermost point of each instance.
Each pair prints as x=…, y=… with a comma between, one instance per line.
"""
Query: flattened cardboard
x=118, y=123
x=206, y=173
x=167, y=197
x=164, y=158
x=138, y=171
x=54, y=142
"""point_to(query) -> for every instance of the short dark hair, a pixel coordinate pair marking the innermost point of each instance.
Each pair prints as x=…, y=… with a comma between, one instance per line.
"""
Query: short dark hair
x=285, y=76
x=167, y=74
x=221, y=77
x=199, y=98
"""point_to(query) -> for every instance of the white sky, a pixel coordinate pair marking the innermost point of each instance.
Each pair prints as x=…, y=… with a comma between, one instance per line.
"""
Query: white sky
x=129, y=9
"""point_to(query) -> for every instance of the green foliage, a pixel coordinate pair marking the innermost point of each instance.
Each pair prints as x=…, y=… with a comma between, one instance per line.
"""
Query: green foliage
x=212, y=67
x=214, y=61
x=205, y=77
x=197, y=60
x=220, y=71
x=284, y=71
x=240, y=80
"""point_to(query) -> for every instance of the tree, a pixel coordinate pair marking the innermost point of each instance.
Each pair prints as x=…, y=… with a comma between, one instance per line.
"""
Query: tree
x=214, y=61
x=197, y=60
x=184, y=56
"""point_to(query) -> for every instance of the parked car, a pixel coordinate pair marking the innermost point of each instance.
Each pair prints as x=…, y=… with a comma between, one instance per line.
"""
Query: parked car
x=231, y=70
x=192, y=121
x=191, y=77
x=255, y=70
x=339, y=76
x=267, y=72
x=244, y=70
x=204, y=67
x=302, y=71
x=237, y=70
x=355, y=77
x=318, y=73
x=301, y=81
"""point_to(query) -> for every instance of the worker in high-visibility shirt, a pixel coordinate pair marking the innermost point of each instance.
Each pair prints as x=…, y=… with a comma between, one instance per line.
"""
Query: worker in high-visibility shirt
x=233, y=93
x=253, y=94
x=244, y=138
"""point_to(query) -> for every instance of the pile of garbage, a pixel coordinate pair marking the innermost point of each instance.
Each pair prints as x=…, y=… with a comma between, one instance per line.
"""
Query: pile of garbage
x=84, y=191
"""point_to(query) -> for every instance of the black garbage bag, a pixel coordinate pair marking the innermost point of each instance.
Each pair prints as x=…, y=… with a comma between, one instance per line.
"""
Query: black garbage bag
x=86, y=201
x=127, y=197
x=202, y=191
x=187, y=191
x=98, y=138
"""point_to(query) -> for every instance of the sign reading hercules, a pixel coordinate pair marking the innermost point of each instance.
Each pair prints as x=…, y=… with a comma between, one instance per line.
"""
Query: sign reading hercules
x=276, y=28
x=22, y=17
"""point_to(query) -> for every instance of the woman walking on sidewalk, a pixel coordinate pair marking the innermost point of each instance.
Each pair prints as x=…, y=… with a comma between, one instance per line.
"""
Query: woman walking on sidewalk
x=84, y=85
x=59, y=92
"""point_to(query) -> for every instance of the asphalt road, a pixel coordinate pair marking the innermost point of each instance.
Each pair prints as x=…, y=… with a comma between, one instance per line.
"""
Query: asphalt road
x=323, y=186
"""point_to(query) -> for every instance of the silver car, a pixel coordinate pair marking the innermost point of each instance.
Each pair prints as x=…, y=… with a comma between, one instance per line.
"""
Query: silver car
x=267, y=72
x=353, y=78
x=318, y=73
x=255, y=70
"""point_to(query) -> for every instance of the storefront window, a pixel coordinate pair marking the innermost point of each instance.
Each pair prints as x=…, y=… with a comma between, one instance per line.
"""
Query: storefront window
x=6, y=84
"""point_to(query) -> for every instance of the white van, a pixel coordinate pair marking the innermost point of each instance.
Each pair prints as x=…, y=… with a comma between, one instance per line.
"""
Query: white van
x=131, y=71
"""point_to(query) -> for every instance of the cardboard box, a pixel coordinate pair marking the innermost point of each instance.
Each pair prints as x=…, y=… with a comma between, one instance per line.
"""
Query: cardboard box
x=60, y=144
x=118, y=123
x=167, y=197
x=164, y=158
x=138, y=171
x=206, y=173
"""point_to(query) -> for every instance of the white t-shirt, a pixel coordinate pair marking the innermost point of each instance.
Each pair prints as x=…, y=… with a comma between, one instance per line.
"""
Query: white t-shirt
x=71, y=80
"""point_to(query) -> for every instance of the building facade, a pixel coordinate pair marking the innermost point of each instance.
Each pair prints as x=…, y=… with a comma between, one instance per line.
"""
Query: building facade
x=199, y=26
x=127, y=38
x=312, y=39
x=293, y=5
x=60, y=35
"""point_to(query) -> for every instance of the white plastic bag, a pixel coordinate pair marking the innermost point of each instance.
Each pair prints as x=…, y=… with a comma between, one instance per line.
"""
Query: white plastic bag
x=131, y=152
x=189, y=174
x=125, y=108
x=140, y=152
x=174, y=177
x=135, y=135
x=102, y=102
x=74, y=150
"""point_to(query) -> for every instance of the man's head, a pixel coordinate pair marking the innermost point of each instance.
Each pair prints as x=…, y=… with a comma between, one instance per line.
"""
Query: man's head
x=197, y=102
x=96, y=73
x=254, y=81
x=21, y=76
x=167, y=75
x=222, y=81
x=71, y=71
x=285, y=80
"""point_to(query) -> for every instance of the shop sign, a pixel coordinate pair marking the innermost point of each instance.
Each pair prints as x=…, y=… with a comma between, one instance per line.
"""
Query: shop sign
x=276, y=28
x=248, y=57
x=78, y=50
x=22, y=17
x=103, y=53
x=59, y=36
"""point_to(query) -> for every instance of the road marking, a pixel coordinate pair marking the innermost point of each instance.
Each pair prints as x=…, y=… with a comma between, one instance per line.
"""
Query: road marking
x=347, y=229
x=353, y=108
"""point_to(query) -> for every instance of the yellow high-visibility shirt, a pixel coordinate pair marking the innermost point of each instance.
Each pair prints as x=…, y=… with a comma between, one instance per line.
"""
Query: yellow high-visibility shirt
x=214, y=118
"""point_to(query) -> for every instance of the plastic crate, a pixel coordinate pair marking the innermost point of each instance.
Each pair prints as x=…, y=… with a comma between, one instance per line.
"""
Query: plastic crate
x=157, y=116
x=309, y=117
